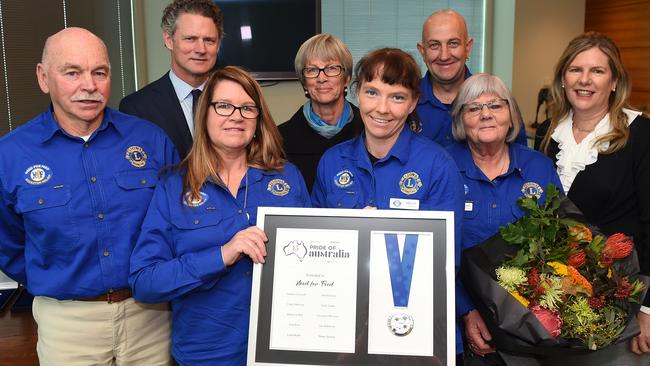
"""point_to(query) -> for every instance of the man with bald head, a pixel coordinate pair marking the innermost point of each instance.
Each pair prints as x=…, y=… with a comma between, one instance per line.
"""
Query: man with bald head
x=445, y=47
x=75, y=183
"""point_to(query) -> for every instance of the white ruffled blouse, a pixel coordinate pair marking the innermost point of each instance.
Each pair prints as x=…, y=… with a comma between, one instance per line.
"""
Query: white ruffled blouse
x=574, y=157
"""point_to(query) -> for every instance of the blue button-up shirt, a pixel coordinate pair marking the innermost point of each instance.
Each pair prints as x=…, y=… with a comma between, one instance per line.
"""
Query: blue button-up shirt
x=492, y=204
x=414, y=169
x=178, y=259
x=71, y=209
x=436, y=116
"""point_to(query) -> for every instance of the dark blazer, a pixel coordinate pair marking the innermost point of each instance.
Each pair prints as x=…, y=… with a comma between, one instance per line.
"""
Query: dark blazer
x=158, y=103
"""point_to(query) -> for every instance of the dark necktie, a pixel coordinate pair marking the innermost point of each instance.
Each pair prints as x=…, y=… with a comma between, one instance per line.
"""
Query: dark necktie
x=196, y=93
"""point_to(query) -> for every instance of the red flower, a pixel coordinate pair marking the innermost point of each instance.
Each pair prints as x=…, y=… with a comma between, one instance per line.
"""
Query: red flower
x=623, y=289
x=576, y=260
x=617, y=246
x=533, y=277
x=549, y=319
x=595, y=302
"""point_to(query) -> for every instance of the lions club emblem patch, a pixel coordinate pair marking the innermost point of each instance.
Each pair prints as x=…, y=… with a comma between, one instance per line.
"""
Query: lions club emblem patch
x=136, y=156
x=532, y=189
x=410, y=183
x=38, y=174
x=188, y=201
x=343, y=179
x=278, y=187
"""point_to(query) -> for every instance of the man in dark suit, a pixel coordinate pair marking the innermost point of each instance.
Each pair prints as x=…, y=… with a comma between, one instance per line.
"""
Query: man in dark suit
x=192, y=31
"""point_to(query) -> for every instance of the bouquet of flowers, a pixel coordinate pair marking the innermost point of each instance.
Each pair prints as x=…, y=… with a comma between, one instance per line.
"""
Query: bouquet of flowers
x=548, y=280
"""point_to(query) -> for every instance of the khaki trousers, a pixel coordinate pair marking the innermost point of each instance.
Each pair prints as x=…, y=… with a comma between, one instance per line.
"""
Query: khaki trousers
x=72, y=333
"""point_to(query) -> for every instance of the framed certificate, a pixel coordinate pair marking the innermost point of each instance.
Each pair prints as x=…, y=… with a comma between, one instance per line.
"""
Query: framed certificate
x=354, y=287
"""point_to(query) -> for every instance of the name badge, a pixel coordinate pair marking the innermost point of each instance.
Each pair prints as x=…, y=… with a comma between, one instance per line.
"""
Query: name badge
x=469, y=205
x=404, y=204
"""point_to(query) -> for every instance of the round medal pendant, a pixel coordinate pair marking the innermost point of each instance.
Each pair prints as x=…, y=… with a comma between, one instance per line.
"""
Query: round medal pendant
x=400, y=324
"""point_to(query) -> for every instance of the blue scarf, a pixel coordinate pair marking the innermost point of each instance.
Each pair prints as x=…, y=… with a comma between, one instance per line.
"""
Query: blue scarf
x=320, y=126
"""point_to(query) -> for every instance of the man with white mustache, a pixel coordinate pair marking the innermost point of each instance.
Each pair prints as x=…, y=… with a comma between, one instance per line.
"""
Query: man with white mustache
x=75, y=184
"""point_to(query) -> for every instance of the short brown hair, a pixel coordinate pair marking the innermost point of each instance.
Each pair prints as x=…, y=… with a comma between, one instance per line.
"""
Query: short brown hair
x=206, y=8
x=263, y=152
x=392, y=66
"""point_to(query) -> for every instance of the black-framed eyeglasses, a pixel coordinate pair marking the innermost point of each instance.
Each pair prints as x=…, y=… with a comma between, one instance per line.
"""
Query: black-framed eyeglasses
x=495, y=105
x=314, y=72
x=227, y=109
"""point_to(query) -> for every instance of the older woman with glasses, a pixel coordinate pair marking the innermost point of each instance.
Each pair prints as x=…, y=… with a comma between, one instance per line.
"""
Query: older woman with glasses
x=496, y=172
x=199, y=240
x=324, y=65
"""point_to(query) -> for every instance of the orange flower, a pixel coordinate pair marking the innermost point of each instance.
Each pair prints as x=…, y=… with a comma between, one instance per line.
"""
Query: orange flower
x=579, y=233
x=618, y=246
x=578, y=259
x=579, y=280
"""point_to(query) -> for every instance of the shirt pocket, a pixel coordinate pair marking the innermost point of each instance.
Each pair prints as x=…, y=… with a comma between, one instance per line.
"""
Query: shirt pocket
x=471, y=209
x=197, y=229
x=137, y=179
x=47, y=216
x=133, y=193
x=343, y=199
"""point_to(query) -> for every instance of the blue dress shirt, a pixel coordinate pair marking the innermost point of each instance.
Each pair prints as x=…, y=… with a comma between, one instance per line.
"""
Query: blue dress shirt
x=178, y=259
x=436, y=116
x=492, y=204
x=71, y=209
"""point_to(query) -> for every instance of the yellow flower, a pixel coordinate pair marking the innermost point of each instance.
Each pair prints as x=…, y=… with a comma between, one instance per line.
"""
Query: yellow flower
x=519, y=298
x=609, y=272
x=559, y=268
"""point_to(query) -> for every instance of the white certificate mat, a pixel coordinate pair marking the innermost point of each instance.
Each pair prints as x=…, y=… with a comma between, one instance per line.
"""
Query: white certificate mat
x=315, y=286
x=419, y=342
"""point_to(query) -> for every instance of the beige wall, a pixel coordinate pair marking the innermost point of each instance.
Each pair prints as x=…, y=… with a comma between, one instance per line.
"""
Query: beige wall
x=543, y=28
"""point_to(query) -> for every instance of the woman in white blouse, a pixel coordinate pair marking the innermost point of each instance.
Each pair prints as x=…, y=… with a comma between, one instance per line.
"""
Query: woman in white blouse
x=601, y=148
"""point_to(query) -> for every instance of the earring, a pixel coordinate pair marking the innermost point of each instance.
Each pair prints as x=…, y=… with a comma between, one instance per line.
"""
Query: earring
x=345, y=91
x=562, y=85
x=614, y=90
x=306, y=93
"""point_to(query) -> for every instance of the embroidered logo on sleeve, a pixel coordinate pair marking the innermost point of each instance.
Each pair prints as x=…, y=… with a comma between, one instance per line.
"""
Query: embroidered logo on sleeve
x=532, y=189
x=343, y=179
x=136, y=156
x=410, y=183
x=38, y=174
x=278, y=187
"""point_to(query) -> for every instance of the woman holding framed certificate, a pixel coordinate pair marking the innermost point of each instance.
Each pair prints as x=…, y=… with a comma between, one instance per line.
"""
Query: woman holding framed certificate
x=199, y=240
x=390, y=166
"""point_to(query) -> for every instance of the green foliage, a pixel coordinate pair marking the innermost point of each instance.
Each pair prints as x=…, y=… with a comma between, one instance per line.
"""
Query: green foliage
x=538, y=233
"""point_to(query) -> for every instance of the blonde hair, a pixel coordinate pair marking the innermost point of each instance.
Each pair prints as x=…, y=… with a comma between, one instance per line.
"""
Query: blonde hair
x=263, y=152
x=324, y=47
x=618, y=99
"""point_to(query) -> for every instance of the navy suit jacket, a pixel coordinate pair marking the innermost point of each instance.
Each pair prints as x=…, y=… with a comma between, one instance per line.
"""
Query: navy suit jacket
x=158, y=103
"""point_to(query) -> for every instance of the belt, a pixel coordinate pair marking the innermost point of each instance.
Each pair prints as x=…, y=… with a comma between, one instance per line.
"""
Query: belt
x=111, y=296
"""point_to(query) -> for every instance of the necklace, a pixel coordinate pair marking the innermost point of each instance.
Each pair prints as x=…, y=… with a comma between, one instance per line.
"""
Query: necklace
x=504, y=166
x=246, y=194
x=575, y=127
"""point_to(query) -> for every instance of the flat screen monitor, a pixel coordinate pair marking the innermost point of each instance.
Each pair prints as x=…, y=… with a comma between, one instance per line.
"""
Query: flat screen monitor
x=263, y=36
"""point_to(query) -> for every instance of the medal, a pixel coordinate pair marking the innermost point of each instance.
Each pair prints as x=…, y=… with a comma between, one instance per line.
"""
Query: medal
x=400, y=324
x=401, y=273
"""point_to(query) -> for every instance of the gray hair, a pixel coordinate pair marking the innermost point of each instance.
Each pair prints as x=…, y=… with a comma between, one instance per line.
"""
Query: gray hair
x=324, y=47
x=473, y=88
x=206, y=8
